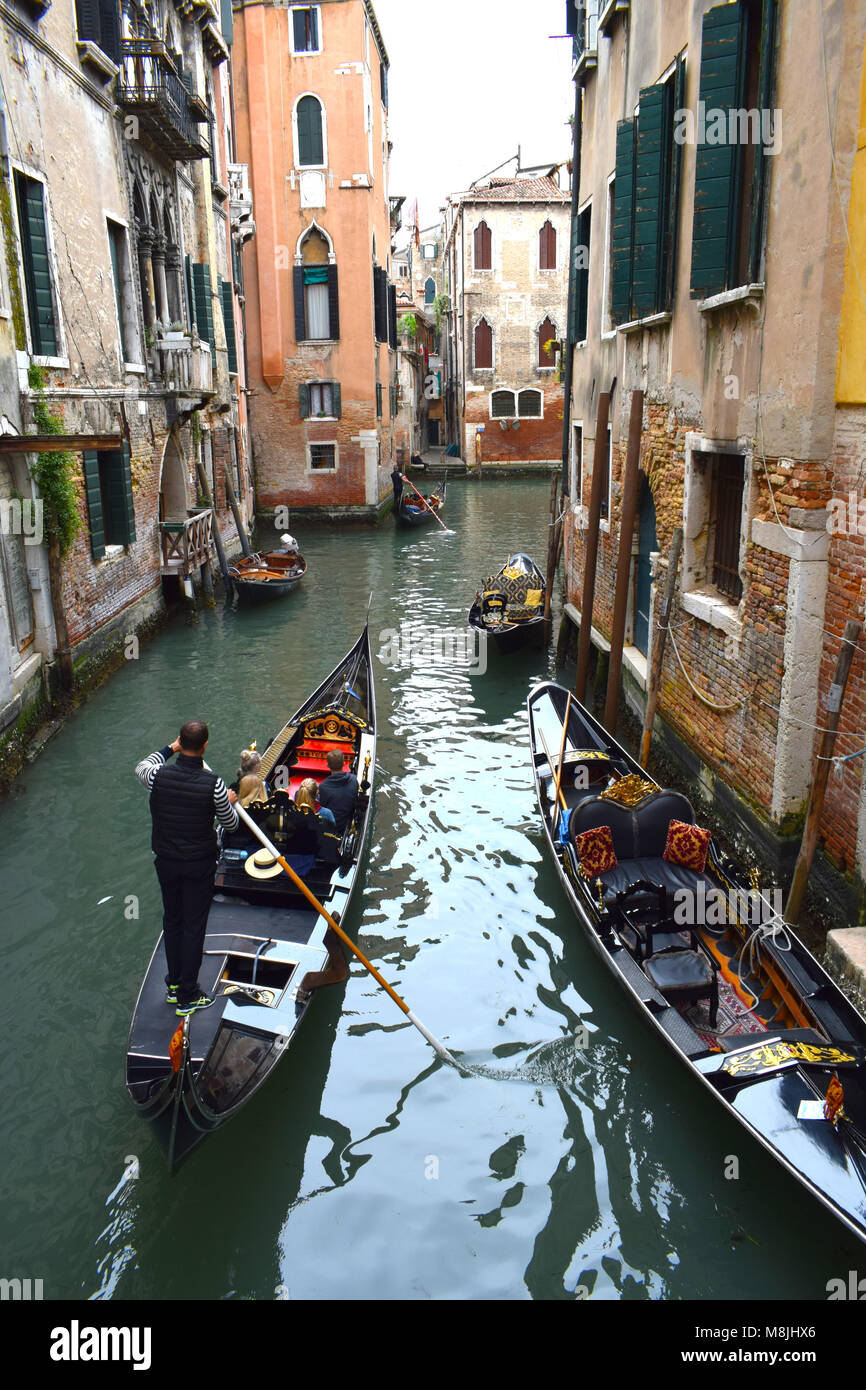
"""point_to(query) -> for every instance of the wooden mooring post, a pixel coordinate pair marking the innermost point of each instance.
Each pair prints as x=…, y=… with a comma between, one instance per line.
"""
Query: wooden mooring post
x=623, y=565
x=552, y=556
x=833, y=710
x=217, y=538
x=658, y=652
x=599, y=464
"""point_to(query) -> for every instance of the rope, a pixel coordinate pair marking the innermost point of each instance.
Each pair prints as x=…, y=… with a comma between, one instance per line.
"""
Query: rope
x=705, y=699
x=776, y=930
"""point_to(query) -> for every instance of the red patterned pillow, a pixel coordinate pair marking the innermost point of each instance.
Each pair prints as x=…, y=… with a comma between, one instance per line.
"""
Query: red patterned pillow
x=687, y=845
x=595, y=851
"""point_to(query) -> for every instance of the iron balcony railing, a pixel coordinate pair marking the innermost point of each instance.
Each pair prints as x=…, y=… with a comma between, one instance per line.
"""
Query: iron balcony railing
x=150, y=88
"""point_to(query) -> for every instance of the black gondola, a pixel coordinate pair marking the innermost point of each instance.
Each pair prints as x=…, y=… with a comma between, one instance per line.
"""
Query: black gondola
x=412, y=510
x=264, y=941
x=510, y=605
x=712, y=966
x=269, y=575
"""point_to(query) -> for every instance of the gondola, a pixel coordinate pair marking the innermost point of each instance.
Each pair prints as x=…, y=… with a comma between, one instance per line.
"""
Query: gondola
x=413, y=512
x=267, y=575
x=265, y=945
x=709, y=963
x=510, y=605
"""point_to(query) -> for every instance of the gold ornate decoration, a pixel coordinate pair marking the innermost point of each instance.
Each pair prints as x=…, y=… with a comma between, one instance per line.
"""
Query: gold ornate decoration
x=770, y=1056
x=630, y=790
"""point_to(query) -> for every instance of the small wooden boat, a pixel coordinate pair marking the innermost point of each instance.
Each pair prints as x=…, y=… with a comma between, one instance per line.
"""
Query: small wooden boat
x=267, y=575
x=266, y=949
x=417, y=511
x=510, y=605
x=711, y=965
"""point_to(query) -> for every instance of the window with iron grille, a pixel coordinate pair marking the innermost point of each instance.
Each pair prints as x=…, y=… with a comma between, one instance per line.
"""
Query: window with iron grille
x=529, y=404
x=323, y=456
x=725, y=524
x=502, y=405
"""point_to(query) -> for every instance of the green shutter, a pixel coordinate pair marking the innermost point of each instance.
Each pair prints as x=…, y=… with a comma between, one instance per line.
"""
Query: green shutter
x=203, y=302
x=670, y=239
x=229, y=322
x=652, y=155
x=311, y=149
x=93, y=492
x=761, y=170
x=304, y=400
x=337, y=399
x=717, y=167
x=37, y=269
x=378, y=398
x=622, y=240
x=117, y=501
x=581, y=300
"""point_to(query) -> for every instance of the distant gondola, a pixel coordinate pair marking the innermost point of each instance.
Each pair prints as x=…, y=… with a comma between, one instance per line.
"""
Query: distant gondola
x=264, y=944
x=510, y=604
x=721, y=978
x=267, y=575
x=412, y=510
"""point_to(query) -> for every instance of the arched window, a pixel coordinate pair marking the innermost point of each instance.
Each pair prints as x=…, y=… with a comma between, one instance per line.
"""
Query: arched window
x=502, y=405
x=547, y=247
x=316, y=302
x=483, y=356
x=546, y=332
x=310, y=124
x=529, y=404
x=429, y=290
x=483, y=244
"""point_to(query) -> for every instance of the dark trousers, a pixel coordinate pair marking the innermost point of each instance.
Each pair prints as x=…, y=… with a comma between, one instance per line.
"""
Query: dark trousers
x=187, y=891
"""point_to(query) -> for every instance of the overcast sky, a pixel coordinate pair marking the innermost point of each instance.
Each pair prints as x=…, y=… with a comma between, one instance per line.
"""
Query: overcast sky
x=471, y=80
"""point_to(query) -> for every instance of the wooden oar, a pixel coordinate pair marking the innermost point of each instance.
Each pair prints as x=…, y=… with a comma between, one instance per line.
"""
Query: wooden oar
x=272, y=849
x=430, y=509
x=561, y=754
x=559, y=793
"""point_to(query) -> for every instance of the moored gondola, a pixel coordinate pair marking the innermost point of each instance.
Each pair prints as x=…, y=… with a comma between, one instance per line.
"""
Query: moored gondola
x=510, y=605
x=266, y=949
x=720, y=977
x=267, y=575
x=417, y=510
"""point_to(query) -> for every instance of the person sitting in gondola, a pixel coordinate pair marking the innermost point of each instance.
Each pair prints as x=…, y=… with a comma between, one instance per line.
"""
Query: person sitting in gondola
x=251, y=790
x=307, y=798
x=339, y=791
x=249, y=767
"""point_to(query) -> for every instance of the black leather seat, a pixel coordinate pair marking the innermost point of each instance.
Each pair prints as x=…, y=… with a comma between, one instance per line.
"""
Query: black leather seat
x=684, y=977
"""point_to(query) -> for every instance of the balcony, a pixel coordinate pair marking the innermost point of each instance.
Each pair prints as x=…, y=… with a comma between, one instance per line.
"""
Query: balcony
x=396, y=213
x=149, y=88
x=184, y=363
x=585, y=50
x=186, y=544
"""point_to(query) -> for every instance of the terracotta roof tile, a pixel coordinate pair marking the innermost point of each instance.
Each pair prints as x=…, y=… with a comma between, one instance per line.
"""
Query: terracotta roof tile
x=543, y=189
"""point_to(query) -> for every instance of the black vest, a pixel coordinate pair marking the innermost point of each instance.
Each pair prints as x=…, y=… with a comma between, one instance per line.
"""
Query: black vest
x=181, y=804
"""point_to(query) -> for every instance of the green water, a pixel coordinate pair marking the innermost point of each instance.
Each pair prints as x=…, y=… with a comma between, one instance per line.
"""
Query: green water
x=365, y=1167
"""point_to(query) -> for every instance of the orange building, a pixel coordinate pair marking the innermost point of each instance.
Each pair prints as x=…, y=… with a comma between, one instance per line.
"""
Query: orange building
x=311, y=89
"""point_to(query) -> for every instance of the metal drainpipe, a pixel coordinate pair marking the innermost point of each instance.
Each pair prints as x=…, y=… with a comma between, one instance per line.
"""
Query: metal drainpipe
x=569, y=344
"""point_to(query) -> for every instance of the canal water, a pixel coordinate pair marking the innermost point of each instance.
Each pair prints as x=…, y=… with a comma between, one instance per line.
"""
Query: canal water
x=366, y=1167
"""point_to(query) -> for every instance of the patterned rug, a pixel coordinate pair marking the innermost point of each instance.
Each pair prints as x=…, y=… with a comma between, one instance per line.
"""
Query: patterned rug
x=733, y=1019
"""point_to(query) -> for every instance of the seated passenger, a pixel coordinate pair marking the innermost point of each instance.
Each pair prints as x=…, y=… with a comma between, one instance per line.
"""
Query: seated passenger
x=250, y=789
x=249, y=767
x=339, y=791
x=306, y=800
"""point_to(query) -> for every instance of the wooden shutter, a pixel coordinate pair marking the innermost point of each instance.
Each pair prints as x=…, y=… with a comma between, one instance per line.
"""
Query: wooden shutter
x=29, y=195
x=378, y=398
x=483, y=344
x=380, y=303
x=652, y=154
x=124, y=508
x=336, y=400
x=547, y=247
x=229, y=322
x=87, y=15
x=383, y=79
x=623, y=224
x=203, y=302
x=109, y=29
x=311, y=149
x=670, y=237
x=300, y=304
x=93, y=492
x=333, y=301
x=581, y=298
x=717, y=166
x=299, y=20
x=546, y=332
x=765, y=103
x=392, y=399
x=304, y=400
x=483, y=247
x=114, y=234
x=392, y=316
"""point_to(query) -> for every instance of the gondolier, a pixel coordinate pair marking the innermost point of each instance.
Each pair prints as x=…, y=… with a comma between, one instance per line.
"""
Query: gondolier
x=397, y=484
x=185, y=796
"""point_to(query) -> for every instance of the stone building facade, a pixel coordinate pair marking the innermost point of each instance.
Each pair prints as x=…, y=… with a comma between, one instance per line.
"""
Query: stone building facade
x=121, y=326
x=311, y=84
x=506, y=255
x=714, y=265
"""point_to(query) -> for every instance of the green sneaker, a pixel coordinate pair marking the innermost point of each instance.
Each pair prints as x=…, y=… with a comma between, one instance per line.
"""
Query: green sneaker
x=204, y=1001
x=171, y=997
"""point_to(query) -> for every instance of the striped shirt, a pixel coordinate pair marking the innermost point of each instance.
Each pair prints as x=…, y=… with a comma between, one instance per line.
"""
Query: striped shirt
x=223, y=808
